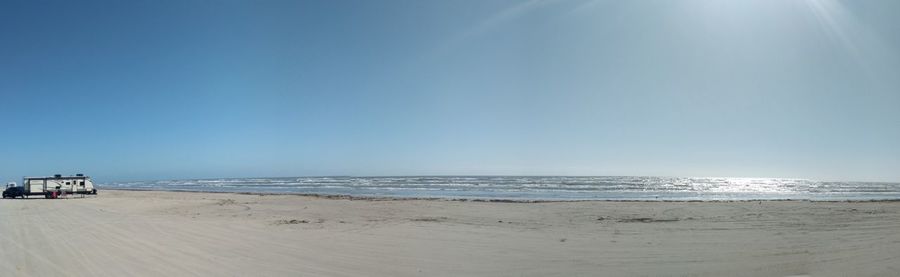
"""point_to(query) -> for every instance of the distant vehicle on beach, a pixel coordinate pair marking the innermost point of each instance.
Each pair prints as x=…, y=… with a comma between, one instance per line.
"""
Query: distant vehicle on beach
x=13, y=191
x=57, y=184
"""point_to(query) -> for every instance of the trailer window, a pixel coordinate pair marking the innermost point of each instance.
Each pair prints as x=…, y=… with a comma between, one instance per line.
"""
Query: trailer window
x=67, y=183
x=82, y=183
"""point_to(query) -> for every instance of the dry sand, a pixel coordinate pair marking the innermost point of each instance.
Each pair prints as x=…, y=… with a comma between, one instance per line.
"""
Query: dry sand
x=122, y=233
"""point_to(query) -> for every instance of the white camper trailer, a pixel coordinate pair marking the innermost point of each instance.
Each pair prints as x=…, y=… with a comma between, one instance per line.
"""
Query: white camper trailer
x=78, y=184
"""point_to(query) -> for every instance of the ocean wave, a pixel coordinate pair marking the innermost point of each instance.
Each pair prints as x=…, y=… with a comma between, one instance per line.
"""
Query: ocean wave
x=546, y=187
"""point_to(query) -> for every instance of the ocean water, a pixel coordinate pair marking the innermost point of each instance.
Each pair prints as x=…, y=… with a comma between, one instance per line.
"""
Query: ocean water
x=539, y=188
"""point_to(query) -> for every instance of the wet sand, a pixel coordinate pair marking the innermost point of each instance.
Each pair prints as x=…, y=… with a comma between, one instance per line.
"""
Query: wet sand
x=141, y=233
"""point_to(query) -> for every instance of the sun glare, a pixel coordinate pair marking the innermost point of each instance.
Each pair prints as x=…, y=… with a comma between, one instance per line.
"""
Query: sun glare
x=834, y=20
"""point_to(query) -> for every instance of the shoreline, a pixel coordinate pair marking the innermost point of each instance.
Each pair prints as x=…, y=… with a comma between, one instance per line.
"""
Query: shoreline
x=497, y=200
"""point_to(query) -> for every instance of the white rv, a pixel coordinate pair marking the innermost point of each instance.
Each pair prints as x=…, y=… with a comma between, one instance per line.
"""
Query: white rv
x=78, y=184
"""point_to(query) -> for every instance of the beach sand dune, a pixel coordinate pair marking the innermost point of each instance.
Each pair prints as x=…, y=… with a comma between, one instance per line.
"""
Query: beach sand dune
x=137, y=233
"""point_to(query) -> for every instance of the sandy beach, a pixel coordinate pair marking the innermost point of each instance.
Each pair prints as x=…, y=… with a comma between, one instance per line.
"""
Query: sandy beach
x=142, y=233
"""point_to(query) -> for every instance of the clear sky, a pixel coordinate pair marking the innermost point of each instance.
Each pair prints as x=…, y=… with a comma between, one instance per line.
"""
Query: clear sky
x=125, y=90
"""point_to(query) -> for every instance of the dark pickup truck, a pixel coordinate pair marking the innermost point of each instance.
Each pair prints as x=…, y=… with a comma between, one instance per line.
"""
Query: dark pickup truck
x=13, y=191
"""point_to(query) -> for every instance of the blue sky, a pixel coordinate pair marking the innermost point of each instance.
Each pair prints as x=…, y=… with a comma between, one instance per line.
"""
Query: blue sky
x=126, y=90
